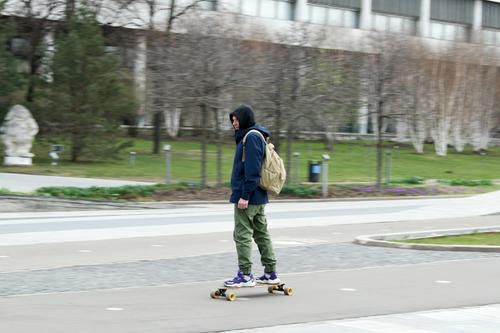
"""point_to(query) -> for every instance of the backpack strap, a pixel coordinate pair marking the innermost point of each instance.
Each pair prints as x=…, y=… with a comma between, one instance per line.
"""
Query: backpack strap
x=245, y=140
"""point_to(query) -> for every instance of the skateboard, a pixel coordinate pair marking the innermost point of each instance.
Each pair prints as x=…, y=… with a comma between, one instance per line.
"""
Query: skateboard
x=231, y=296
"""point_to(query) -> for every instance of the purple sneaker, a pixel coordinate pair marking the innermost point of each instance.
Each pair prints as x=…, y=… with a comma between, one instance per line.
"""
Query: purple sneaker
x=269, y=278
x=240, y=280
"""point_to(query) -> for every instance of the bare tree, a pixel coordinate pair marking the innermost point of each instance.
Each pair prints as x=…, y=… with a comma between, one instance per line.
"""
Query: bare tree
x=383, y=74
x=159, y=19
x=200, y=68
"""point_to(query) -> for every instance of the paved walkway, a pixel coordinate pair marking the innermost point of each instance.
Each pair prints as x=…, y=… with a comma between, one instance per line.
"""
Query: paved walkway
x=29, y=183
x=482, y=319
x=310, y=254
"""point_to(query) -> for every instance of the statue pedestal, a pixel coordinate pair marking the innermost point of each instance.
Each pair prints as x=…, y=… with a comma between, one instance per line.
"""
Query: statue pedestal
x=15, y=160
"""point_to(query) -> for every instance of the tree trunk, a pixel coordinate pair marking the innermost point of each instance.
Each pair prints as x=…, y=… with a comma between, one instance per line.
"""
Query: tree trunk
x=76, y=147
x=289, y=152
x=218, y=144
x=156, y=132
x=277, y=126
x=380, y=148
x=203, y=141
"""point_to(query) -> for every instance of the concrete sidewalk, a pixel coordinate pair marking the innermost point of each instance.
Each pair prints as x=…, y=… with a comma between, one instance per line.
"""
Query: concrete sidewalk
x=483, y=319
x=28, y=183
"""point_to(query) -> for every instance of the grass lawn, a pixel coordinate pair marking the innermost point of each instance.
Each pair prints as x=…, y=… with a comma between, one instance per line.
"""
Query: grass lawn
x=352, y=161
x=487, y=238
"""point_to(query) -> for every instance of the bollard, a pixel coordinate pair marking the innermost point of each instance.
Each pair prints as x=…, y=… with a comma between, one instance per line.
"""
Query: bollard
x=55, y=152
x=131, y=159
x=388, y=167
x=54, y=156
x=324, y=171
x=295, y=175
x=167, y=149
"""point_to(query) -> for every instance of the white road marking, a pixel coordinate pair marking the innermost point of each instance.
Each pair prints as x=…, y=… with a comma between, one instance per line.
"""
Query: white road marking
x=4, y=257
x=348, y=289
x=157, y=245
x=85, y=251
x=442, y=281
x=114, y=309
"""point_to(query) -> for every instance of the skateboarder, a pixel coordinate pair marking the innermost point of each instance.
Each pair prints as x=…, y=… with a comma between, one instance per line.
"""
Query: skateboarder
x=249, y=201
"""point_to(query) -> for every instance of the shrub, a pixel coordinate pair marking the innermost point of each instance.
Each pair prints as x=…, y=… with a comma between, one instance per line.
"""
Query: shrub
x=108, y=192
x=412, y=180
x=300, y=191
x=4, y=191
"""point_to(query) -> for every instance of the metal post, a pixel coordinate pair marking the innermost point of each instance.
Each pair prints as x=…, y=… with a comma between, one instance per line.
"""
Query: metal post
x=167, y=150
x=131, y=159
x=324, y=170
x=388, y=167
x=295, y=176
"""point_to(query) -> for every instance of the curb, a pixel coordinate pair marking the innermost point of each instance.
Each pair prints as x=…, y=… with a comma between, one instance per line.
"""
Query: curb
x=153, y=204
x=77, y=201
x=386, y=240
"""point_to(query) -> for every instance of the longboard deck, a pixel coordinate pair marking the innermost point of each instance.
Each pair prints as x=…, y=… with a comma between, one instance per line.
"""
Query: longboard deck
x=230, y=295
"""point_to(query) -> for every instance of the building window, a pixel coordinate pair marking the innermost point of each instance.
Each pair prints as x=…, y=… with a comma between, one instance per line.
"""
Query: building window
x=491, y=37
x=208, y=5
x=285, y=10
x=276, y=9
x=333, y=16
x=394, y=24
x=342, y=18
x=268, y=8
x=448, y=31
x=317, y=14
x=249, y=7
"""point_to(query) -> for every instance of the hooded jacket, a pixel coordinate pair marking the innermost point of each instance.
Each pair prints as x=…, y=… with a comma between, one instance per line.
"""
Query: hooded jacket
x=245, y=176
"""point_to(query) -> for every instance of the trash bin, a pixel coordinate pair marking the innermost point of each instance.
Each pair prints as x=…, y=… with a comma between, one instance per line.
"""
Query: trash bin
x=314, y=171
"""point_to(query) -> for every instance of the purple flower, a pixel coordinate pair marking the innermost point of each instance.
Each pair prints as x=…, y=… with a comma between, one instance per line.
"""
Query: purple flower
x=395, y=190
x=368, y=189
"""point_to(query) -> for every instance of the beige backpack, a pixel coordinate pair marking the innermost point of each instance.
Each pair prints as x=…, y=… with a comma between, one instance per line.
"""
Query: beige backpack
x=273, y=173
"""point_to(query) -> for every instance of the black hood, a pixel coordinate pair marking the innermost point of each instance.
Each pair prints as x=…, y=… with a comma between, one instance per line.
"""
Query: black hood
x=245, y=116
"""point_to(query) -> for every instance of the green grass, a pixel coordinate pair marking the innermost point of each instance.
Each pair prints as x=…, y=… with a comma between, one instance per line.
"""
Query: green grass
x=352, y=161
x=487, y=238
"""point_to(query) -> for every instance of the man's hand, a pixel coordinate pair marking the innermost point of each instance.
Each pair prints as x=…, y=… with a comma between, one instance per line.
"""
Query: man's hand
x=242, y=204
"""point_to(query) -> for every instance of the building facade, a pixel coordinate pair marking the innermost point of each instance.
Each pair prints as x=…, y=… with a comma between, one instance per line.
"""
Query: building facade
x=344, y=24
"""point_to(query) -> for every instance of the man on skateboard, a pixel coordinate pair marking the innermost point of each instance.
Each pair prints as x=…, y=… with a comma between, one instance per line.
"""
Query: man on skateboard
x=249, y=201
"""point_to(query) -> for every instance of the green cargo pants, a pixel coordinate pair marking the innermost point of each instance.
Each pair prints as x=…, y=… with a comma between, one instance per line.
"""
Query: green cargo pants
x=251, y=223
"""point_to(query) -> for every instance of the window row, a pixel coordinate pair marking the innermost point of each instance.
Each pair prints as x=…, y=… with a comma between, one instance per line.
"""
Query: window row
x=333, y=16
x=277, y=9
x=282, y=9
x=448, y=31
x=394, y=24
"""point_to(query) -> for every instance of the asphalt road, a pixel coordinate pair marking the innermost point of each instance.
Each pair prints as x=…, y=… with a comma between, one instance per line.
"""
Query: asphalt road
x=152, y=271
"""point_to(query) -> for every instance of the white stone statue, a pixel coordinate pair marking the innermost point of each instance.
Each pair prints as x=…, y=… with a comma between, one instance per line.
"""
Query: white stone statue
x=17, y=132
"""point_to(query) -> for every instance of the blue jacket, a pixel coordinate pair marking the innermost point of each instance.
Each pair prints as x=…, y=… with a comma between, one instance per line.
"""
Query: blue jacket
x=245, y=176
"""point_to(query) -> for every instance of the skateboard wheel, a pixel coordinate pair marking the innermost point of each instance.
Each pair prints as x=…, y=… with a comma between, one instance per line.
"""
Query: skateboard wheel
x=271, y=289
x=215, y=294
x=231, y=297
x=288, y=291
